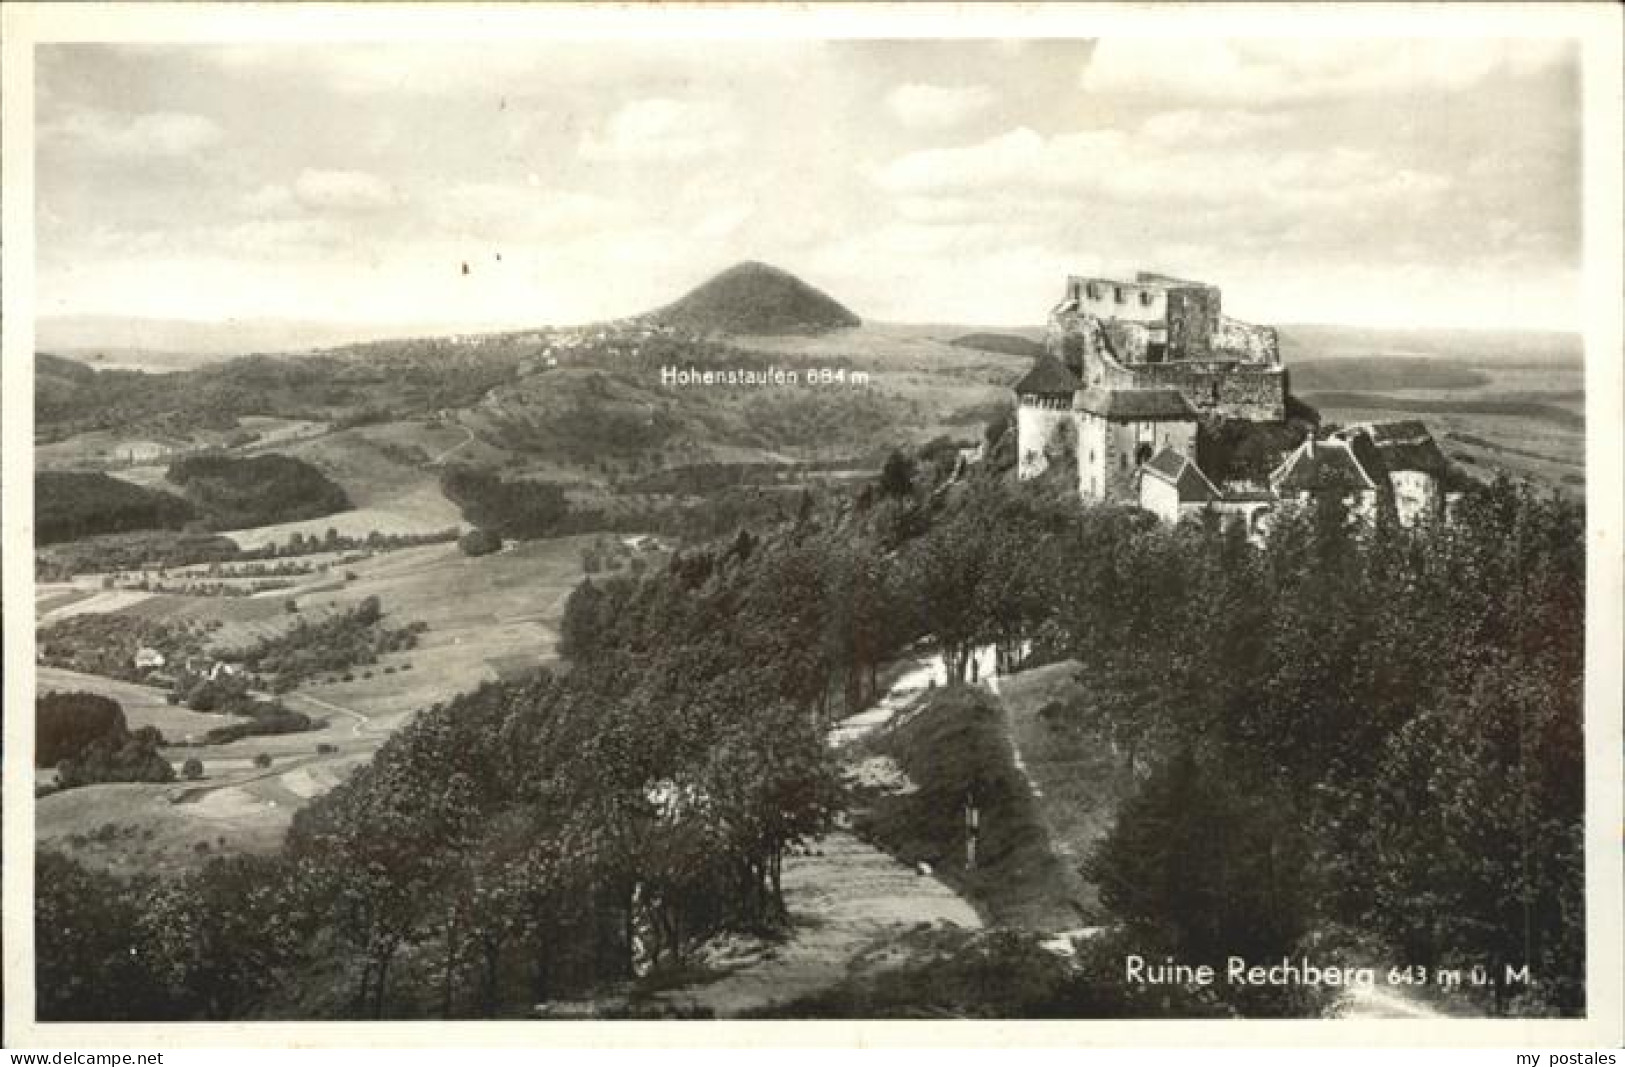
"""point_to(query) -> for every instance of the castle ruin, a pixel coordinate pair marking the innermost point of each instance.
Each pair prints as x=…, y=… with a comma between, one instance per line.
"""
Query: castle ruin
x=1132, y=369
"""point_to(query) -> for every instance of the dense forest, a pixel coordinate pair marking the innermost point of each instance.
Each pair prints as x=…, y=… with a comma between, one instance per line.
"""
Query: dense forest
x=69, y=505
x=518, y=509
x=221, y=492
x=235, y=492
x=1358, y=741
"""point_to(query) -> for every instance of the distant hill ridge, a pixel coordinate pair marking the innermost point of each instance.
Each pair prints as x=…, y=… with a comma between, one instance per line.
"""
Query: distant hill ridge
x=756, y=298
x=1005, y=343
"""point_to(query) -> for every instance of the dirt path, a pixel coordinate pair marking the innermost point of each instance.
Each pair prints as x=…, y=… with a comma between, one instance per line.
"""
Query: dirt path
x=442, y=457
x=361, y=721
x=848, y=902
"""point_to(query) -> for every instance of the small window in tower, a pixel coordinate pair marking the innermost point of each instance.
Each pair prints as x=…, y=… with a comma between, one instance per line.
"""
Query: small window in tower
x=1094, y=291
x=1119, y=294
x=1146, y=299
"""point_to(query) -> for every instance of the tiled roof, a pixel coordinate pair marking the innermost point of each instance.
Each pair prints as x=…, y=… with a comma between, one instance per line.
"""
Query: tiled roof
x=1405, y=445
x=1138, y=404
x=1425, y=456
x=1048, y=378
x=1178, y=470
x=1320, y=466
x=1168, y=462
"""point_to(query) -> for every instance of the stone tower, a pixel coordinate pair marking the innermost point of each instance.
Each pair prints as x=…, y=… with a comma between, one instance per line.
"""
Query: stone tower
x=1045, y=422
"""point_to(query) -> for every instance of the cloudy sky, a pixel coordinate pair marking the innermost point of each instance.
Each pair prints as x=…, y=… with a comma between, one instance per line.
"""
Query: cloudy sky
x=1388, y=182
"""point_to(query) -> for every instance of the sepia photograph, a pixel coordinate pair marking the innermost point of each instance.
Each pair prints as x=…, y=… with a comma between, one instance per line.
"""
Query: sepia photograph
x=773, y=519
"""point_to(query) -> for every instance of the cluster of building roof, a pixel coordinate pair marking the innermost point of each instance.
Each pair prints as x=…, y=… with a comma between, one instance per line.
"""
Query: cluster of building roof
x=1366, y=466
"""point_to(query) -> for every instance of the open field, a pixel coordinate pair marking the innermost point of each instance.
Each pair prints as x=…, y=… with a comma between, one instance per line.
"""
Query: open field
x=386, y=470
x=378, y=462
x=136, y=830
x=488, y=616
x=242, y=620
x=424, y=510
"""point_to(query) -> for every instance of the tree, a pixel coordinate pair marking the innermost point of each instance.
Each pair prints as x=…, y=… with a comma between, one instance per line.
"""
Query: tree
x=89, y=964
x=478, y=542
x=1475, y=834
x=581, y=629
x=945, y=571
x=1206, y=866
x=220, y=940
x=897, y=475
x=66, y=724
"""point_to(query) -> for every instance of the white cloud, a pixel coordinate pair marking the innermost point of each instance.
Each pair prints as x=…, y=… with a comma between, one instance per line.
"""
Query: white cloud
x=661, y=129
x=1164, y=164
x=164, y=134
x=1192, y=125
x=1265, y=71
x=346, y=191
x=937, y=106
x=269, y=200
x=1008, y=159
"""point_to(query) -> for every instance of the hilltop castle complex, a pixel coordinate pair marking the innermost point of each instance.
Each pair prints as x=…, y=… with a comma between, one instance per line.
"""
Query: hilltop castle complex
x=1132, y=372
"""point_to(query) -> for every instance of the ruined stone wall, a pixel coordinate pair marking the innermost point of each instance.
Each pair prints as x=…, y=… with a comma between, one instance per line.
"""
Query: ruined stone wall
x=1235, y=391
x=1078, y=340
x=1093, y=453
x=1040, y=425
x=1253, y=394
x=1066, y=336
x=1121, y=483
x=1244, y=341
x=1130, y=341
x=1193, y=319
x=1108, y=299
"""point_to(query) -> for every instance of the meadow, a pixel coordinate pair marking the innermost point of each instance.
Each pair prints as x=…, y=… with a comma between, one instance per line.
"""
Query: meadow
x=503, y=619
